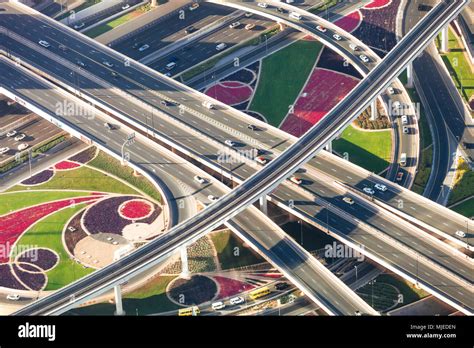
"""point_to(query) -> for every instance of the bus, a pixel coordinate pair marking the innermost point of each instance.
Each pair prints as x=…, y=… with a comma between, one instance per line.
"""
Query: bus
x=186, y=312
x=259, y=293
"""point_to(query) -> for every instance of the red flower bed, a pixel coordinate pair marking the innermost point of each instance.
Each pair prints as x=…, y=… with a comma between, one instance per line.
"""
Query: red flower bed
x=350, y=22
x=230, y=287
x=230, y=92
x=135, y=209
x=14, y=224
x=65, y=165
x=323, y=91
x=377, y=4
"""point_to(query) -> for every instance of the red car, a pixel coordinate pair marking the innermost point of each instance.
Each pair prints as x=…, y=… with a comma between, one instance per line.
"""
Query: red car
x=399, y=176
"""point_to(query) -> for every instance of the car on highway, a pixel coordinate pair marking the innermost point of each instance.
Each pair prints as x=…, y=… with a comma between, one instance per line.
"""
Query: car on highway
x=114, y=74
x=460, y=234
x=4, y=150
x=229, y=142
x=404, y=119
x=23, y=146
x=212, y=198
x=20, y=136
x=354, y=47
x=189, y=29
x=194, y=6
x=348, y=200
x=261, y=160
x=296, y=180
x=249, y=26
x=236, y=300
x=221, y=46
x=218, y=305
x=281, y=10
x=295, y=15
x=337, y=37
x=107, y=63
x=399, y=176
x=262, y=4
x=200, y=179
x=79, y=26
x=364, y=58
x=168, y=74
x=80, y=63
x=406, y=130
x=126, y=6
x=164, y=102
x=368, y=190
x=381, y=187
x=11, y=133
x=108, y=126
x=170, y=66
x=248, y=14
x=252, y=127
x=390, y=90
x=13, y=297
x=290, y=1
x=234, y=25
x=44, y=43
x=208, y=104
x=321, y=29
x=144, y=47
x=282, y=286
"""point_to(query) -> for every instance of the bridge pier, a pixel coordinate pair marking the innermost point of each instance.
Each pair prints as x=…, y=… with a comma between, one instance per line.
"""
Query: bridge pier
x=263, y=204
x=373, y=110
x=328, y=147
x=445, y=39
x=410, y=75
x=118, y=300
x=184, y=262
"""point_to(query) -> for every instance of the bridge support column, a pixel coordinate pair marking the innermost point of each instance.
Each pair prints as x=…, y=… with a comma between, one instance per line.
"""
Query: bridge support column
x=410, y=75
x=184, y=262
x=373, y=110
x=118, y=300
x=445, y=39
x=263, y=204
x=328, y=147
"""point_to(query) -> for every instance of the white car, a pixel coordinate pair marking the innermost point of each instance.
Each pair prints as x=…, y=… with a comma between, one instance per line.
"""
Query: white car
x=107, y=63
x=236, y=300
x=368, y=190
x=79, y=26
x=348, y=200
x=200, y=179
x=396, y=105
x=248, y=14
x=234, y=25
x=221, y=46
x=229, y=142
x=321, y=29
x=262, y=4
x=249, y=26
x=213, y=198
x=406, y=130
x=11, y=133
x=4, y=150
x=144, y=47
x=23, y=146
x=13, y=297
x=296, y=180
x=218, y=305
x=460, y=234
x=364, y=58
x=390, y=90
x=337, y=37
x=381, y=187
x=44, y=43
x=193, y=6
x=20, y=137
x=404, y=119
x=261, y=160
x=124, y=7
x=354, y=47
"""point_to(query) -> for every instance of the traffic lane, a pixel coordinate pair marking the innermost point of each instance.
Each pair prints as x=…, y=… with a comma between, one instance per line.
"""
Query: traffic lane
x=196, y=52
x=170, y=30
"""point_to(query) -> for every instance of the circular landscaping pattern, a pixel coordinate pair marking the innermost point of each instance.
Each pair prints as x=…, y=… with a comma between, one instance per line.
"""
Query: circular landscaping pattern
x=44, y=259
x=194, y=291
x=33, y=281
x=135, y=209
x=66, y=165
x=39, y=178
x=243, y=75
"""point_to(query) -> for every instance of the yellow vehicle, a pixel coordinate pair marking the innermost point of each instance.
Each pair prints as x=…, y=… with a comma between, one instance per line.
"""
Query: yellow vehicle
x=186, y=312
x=259, y=293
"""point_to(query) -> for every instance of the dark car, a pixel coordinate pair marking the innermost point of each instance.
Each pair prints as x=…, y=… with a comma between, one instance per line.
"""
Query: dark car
x=282, y=286
x=190, y=29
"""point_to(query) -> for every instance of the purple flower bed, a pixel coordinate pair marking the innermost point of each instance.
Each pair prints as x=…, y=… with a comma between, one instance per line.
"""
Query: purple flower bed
x=7, y=279
x=84, y=156
x=44, y=259
x=243, y=75
x=103, y=217
x=35, y=281
x=332, y=61
x=29, y=267
x=72, y=238
x=39, y=178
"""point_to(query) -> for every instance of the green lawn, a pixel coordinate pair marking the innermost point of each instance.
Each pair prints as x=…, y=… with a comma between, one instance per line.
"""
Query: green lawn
x=226, y=243
x=407, y=289
x=82, y=179
x=48, y=233
x=282, y=77
x=463, y=183
x=465, y=208
x=370, y=150
x=380, y=295
x=113, y=166
x=424, y=171
x=458, y=66
x=18, y=200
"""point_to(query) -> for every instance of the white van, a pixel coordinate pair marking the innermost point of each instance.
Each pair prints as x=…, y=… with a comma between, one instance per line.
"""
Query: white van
x=218, y=305
x=295, y=15
x=170, y=66
x=221, y=46
x=403, y=159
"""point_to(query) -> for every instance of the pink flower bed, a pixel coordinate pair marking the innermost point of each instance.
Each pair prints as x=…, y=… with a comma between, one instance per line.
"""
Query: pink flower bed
x=65, y=165
x=135, y=209
x=324, y=90
x=14, y=224
x=230, y=92
x=377, y=4
x=350, y=22
x=230, y=287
